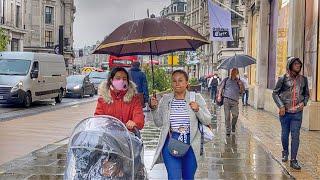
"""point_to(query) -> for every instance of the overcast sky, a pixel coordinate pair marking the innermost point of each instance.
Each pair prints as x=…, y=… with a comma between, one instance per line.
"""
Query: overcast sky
x=94, y=19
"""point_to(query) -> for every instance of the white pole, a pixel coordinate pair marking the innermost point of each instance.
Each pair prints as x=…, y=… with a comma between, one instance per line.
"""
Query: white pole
x=229, y=8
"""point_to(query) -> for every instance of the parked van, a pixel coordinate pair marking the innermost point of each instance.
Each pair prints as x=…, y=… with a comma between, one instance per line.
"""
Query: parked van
x=26, y=77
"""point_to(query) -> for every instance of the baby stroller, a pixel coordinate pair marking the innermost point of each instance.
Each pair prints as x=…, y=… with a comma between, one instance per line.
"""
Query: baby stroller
x=101, y=147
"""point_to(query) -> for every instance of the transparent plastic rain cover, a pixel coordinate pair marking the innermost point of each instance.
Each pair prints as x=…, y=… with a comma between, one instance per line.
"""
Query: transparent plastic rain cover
x=101, y=147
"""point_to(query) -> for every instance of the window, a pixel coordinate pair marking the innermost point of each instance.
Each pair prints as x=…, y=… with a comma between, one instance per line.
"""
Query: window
x=18, y=16
x=14, y=44
x=49, y=15
x=175, y=8
x=49, y=39
x=235, y=42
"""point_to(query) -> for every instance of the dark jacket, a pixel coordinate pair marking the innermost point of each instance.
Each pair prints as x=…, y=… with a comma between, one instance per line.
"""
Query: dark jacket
x=290, y=90
x=139, y=78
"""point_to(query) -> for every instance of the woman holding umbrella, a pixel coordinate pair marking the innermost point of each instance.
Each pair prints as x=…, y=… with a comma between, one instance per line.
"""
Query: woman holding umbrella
x=178, y=114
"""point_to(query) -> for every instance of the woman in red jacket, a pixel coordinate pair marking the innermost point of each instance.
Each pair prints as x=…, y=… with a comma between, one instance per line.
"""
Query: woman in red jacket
x=118, y=99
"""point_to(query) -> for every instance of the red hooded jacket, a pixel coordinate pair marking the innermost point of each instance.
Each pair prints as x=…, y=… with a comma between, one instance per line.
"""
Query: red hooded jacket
x=124, y=105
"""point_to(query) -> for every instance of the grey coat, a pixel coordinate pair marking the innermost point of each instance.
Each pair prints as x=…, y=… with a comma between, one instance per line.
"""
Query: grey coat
x=161, y=117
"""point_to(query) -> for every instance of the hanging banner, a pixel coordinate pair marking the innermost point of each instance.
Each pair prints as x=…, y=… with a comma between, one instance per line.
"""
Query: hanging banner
x=220, y=23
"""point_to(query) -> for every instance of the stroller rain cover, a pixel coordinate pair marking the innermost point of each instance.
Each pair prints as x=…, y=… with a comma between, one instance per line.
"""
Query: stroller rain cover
x=101, y=147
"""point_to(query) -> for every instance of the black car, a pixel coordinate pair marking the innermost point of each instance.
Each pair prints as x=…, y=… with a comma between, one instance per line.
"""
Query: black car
x=97, y=77
x=79, y=85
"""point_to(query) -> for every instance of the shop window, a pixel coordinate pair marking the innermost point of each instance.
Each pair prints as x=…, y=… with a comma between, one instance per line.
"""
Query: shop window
x=252, y=71
x=282, y=39
x=310, y=46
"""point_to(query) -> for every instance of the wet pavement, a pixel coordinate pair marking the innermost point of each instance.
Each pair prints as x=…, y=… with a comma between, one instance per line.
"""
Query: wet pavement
x=240, y=156
x=266, y=128
x=9, y=112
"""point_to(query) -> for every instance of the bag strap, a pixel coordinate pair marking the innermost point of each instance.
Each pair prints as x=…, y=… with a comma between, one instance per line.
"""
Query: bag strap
x=200, y=128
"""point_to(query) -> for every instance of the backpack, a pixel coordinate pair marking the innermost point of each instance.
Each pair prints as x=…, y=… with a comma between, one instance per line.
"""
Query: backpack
x=214, y=82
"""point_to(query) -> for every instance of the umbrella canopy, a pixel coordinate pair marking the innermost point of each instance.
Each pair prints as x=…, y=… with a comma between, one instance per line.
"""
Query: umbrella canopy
x=237, y=61
x=150, y=36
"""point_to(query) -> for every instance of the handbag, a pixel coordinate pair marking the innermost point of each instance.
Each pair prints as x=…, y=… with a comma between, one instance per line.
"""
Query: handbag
x=177, y=148
x=206, y=132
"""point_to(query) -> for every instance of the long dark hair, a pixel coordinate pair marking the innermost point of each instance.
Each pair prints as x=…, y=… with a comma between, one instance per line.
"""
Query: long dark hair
x=113, y=73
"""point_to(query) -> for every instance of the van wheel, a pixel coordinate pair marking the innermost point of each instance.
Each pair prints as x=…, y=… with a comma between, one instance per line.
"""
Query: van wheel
x=58, y=99
x=27, y=100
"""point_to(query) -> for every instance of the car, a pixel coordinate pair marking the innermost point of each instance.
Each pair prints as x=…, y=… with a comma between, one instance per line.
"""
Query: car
x=26, y=77
x=79, y=85
x=97, y=77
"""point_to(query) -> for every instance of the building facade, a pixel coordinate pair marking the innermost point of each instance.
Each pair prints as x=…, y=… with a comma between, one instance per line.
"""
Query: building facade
x=12, y=21
x=211, y=55
x=84, y=57
x=277, y=29
x=42, y=21
x=176, y=11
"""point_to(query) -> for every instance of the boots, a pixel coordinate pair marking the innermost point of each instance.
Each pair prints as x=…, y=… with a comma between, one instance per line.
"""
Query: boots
x=295, y=165
x=284, y=156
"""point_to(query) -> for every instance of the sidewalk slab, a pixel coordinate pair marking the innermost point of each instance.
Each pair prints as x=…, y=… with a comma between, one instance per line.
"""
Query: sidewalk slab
x=266, y=128
x=24, y=135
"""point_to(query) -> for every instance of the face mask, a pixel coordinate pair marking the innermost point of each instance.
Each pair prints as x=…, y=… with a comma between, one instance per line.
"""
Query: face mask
x=119, y=84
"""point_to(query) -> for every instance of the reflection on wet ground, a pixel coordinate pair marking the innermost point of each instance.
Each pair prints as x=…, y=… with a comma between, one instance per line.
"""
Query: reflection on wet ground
x=239, y=156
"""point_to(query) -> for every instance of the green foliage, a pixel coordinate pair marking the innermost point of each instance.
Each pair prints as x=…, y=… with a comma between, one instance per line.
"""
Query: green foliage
x=4, y=40
x=193, y=81
x=162, y=80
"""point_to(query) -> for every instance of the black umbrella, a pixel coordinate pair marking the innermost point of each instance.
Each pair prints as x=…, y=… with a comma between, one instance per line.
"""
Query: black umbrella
x=151, y=36
x=237, y=61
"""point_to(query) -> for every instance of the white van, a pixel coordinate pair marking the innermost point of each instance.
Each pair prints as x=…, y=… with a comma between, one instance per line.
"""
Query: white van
x=26, y=77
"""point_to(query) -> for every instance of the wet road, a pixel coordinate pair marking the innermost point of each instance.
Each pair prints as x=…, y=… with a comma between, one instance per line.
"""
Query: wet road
x=9, y=112
x=239, y=156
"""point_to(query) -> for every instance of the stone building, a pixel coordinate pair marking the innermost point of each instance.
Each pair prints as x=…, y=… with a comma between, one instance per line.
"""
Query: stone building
x=277, y=29
x=42, y=21
x=212, y=54
x=12, y=21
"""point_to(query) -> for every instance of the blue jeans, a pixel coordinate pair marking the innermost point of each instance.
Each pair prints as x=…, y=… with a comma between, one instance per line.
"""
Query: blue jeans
x=213, y=93
x=179, y=168
x=291, y=122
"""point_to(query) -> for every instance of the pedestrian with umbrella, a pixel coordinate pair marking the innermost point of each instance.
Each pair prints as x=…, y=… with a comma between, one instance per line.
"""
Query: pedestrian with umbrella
x=157, y=36
x=231, y=88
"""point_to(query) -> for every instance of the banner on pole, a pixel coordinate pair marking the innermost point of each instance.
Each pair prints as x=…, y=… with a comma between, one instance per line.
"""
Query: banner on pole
x=220, y=23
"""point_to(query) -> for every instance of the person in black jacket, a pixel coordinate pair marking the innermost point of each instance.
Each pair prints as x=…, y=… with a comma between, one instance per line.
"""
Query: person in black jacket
x=291, y=94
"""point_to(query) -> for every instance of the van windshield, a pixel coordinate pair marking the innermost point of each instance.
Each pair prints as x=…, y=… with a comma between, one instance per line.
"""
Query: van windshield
x=14, y=67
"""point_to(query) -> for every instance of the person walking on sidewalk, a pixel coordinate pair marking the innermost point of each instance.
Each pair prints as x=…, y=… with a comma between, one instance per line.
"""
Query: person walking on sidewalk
x=245, y=95
x=117, y=98
x=291, y=94
x=139, y=78
x=230, y=90
x=178, y=116
x=214, y=82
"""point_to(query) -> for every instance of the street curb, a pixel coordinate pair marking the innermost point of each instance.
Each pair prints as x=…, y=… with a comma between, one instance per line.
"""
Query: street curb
x=21, y=113
x=268, y=151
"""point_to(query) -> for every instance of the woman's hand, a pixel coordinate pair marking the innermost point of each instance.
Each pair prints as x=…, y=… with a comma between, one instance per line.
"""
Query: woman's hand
x=194, y=106
x=154, y=103
x=130, y=124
